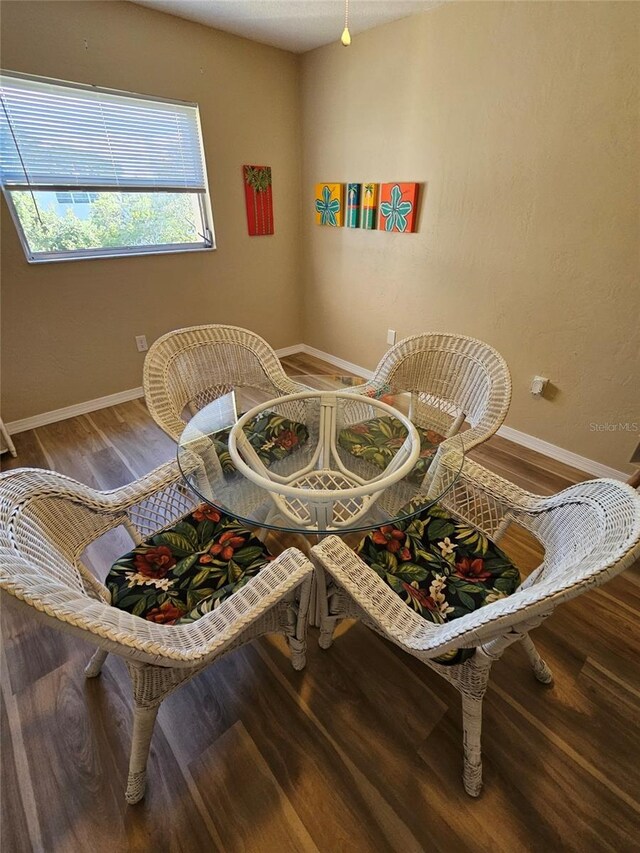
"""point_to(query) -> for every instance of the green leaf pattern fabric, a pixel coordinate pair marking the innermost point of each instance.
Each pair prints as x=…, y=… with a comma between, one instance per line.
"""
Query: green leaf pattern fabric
x=379, y=439
x=440, y=566
x=187, y=570
x=272, y=437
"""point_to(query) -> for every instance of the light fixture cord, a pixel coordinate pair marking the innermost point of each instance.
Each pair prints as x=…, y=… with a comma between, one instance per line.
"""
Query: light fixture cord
x=22, y=163
x=346, y=14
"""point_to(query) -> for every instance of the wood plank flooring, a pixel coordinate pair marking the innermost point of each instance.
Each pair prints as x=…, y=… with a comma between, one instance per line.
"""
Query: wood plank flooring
x=360, y=752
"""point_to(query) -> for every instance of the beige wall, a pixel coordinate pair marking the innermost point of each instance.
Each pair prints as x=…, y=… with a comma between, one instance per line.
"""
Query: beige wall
x=521, y=121
x=68, y=328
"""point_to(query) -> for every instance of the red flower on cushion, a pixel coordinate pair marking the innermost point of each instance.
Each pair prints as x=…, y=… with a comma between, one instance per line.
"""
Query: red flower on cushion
x=472, y=570
x=434, y=437
x=224, y=548
x=207, y=512
x=166, y=614
x=390, y=537
x=405, y=554
x=421, y=596
x=428, y=452
x=394, y=443
x=286, y=439
x=155, y=562
x=360, y=429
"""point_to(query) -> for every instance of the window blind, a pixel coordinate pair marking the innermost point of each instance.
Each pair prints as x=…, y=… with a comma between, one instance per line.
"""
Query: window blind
x=57, y=135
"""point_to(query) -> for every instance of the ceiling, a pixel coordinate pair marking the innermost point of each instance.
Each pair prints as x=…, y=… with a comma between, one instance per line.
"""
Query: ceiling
x=295, y=25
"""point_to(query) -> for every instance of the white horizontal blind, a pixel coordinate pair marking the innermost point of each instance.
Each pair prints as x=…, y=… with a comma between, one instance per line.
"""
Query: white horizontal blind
x=62, y=135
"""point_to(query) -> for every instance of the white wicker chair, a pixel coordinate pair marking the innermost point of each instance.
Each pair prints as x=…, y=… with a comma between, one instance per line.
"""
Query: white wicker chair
x=189, y=368
x=590, y=532
x=452, y=378
x=46, y=522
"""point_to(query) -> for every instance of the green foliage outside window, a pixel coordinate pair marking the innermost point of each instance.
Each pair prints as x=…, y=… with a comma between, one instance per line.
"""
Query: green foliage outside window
x=115, y=220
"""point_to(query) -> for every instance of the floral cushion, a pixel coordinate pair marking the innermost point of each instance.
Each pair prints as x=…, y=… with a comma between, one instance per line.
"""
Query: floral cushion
x=186, y=570
x=272, y=436
x=441, y=567
x=379, y=439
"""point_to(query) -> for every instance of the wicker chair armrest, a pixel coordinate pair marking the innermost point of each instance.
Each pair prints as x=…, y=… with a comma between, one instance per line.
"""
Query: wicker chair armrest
x=148, y=485
x=479, y=479
x=552, y=518
x=404, y=626
x=591, y=532
x=166, y=418
x=469, y=438
x=367, y=388
x=285, y=384
x=369, y=591
x=34, y=483
x=164, y=645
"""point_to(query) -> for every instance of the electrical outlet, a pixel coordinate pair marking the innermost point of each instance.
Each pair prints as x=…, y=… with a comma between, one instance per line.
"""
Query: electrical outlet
x=538, y=384
x=141, y=343
x=391, y=336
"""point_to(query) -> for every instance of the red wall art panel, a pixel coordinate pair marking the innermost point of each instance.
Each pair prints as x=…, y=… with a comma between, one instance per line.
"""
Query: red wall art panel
x=259, y=199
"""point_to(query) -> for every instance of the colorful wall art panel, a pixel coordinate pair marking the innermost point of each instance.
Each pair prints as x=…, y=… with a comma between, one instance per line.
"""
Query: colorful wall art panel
x=259, y=200
x=353, y=205
x=329, y=204
x=369, y=206
x=398, y=207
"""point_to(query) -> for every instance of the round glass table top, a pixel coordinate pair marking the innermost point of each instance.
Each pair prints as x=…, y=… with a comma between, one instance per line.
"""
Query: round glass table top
x=325, y=459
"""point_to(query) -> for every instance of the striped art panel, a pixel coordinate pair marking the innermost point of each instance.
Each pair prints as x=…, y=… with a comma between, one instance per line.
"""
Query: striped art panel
x=369, y=206
x=258, y=200
x=353, y=205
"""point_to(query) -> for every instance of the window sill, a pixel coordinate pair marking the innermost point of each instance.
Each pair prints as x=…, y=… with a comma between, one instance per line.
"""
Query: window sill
x=97, y=254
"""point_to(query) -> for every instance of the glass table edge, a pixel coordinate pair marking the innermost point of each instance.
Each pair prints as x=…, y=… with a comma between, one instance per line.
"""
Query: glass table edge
x=310, y=531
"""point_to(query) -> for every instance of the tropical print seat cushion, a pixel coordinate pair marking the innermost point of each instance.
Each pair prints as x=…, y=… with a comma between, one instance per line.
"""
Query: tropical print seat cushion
x=441, y=567
x=379, y=439
x=272, y=437
x=185, y=571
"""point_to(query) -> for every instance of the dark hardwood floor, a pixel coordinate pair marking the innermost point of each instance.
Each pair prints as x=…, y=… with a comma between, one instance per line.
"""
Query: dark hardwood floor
x=360, y=752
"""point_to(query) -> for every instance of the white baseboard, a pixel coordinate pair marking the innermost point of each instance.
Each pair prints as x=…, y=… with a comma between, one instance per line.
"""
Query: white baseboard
x=72, y=411
x=292, y=350
x=88, y=406
x=582, y=463
x=337, y=362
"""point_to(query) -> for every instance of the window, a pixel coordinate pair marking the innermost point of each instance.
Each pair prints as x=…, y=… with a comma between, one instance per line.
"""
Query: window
x=76, y=198
x=91, y=172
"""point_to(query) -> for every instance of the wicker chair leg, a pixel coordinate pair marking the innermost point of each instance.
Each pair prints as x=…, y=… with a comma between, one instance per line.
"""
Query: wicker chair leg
x=540, y=668
x=327, y=627
x=299, y=616
x=94, y=667
x=472, y=727
x=143, y=722
x=298, y=649
x=324, y=595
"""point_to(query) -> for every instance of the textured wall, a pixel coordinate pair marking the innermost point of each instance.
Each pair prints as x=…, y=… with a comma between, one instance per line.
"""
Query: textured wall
x=68, y=328
x=521, y=120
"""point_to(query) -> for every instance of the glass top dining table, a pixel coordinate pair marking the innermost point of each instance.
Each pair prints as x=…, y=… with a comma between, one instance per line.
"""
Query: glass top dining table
x=327, y=459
